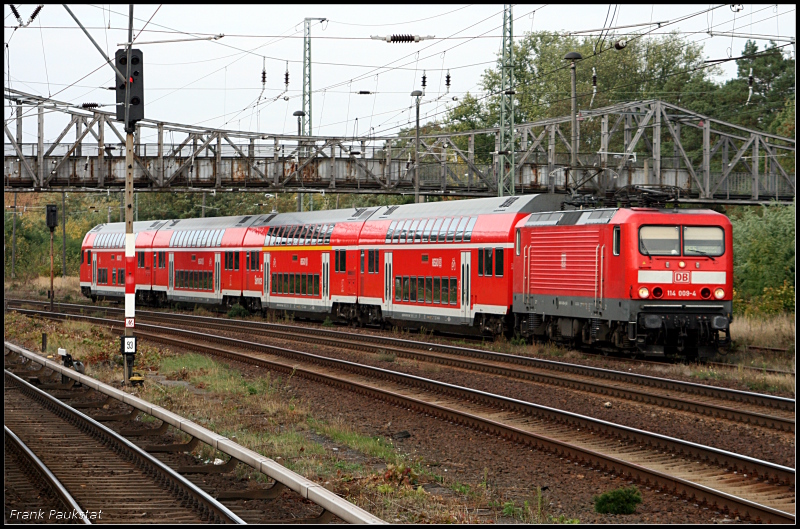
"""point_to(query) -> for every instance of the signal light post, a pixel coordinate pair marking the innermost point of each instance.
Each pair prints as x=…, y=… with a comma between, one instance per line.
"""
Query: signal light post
x=130, y=109
x=52, y=222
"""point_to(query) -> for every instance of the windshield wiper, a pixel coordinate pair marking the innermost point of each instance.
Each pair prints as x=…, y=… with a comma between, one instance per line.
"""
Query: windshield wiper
x=698, y=252
x=643, y=247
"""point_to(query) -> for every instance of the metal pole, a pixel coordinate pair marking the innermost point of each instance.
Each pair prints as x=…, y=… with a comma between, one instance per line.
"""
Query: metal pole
x=574, y=119
x=299, y=133
x=51, y=269
x=63, y=235
x=203, y=214
x=130, y=249
x=14, y=240
x=416, y=159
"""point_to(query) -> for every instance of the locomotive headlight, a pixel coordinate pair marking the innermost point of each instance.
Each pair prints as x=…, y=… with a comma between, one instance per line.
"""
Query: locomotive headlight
x=643, y=292
x=682, y=264
x=719, y=293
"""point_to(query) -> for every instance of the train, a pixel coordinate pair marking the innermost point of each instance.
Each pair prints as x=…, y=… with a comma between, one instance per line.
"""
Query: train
x=637, y=280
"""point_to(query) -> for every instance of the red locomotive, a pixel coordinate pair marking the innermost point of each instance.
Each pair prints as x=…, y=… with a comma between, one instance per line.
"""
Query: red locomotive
x=638, y=280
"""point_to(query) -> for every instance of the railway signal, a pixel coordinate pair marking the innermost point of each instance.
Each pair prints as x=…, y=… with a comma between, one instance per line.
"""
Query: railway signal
x=134, y=87
x=52, y=222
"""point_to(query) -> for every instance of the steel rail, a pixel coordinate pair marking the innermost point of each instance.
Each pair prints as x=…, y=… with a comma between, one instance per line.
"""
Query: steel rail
x=691, y=388
x=353, y=341
x=656, y=443
x=330, y=502
x=52, y=481
x=206, y=505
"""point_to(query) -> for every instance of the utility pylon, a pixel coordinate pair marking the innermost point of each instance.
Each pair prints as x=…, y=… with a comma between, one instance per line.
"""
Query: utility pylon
x=505, y=154
x=306, y=121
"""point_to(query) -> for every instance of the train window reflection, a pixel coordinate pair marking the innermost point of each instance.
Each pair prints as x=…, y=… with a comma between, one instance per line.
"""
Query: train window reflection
x=703, y=240
x=659, y=240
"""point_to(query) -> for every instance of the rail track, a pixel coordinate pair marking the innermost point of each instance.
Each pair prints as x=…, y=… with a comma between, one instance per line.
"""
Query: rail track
x=84, y=307
x=752, y=408
x=109, y=478
x=275, y=504
x=747, y=487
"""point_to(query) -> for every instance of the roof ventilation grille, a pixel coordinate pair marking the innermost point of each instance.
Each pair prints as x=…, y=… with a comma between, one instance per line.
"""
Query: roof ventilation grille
x=244, y=219
x=390, y=210
x=508, y=202
x=270, y=217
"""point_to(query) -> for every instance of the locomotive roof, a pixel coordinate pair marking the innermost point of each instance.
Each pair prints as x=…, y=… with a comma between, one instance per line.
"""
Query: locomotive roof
x=478, y=206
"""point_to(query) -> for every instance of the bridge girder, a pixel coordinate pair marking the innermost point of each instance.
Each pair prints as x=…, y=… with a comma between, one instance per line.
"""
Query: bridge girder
x=620, y=145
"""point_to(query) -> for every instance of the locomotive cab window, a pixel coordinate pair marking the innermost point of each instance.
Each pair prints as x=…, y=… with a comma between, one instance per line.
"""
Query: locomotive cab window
x=616, y=240
x=703, y=240
x=659, y=240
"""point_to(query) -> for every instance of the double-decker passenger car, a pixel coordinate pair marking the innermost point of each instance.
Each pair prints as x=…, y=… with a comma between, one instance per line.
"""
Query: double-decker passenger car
x=640, y=280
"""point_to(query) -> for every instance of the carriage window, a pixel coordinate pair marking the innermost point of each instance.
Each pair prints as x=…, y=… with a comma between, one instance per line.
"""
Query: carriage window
x=113, y=276
x=470, y=226
x=303, y=284
x=422, y=232
x=301, y=235
x=451, y=230
x=235, y=260
x=480, y=261
x=461, y=227
x=413, y=291
x=518, y=242
x=328, y=235
x=316, y=284
x=421, y=290
x=435, y=230
x=404, y=231
x=396, y=234
x=390, y=231
x=487, y=261
x=314, y=234
x=428, y=289
x=405, y=288
x=443, y=231
x=703, y=240
x=445, y=290
x=659, y=240
x=453, y=290
x=88, y=257
x=417, y=228
x=398, y=282
x=498, y=262
x=616, y=241
x=362, y=261
x=437, y=291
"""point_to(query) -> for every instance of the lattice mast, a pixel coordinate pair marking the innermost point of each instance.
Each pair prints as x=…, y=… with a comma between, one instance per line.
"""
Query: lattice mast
x=306, y=120
x=506, y=169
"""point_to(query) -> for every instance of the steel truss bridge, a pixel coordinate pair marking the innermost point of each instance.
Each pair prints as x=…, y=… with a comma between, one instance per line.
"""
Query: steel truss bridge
x=644, y=144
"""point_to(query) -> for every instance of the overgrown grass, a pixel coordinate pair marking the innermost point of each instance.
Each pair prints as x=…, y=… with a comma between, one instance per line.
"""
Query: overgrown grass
x=770, y=331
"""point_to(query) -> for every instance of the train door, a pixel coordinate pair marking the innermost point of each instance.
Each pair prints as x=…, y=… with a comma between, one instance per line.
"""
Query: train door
x=217, y=278
x=94, y=270
x=265, y=286
x=466, y=287
x=326, y=280
x=387, y=282
x=171, y=286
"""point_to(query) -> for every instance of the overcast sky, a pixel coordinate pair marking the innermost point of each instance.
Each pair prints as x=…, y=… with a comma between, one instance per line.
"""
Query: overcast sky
x=218, y=83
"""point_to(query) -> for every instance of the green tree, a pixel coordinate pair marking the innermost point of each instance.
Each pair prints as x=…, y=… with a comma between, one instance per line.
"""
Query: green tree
x=763, y=249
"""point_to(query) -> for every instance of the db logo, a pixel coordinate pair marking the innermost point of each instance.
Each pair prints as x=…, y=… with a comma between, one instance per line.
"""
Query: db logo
x=453, y=264
x=681, y=277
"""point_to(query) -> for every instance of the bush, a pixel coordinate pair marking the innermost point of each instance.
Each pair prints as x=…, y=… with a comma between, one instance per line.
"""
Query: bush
x=237, y=311
x=619, y=501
